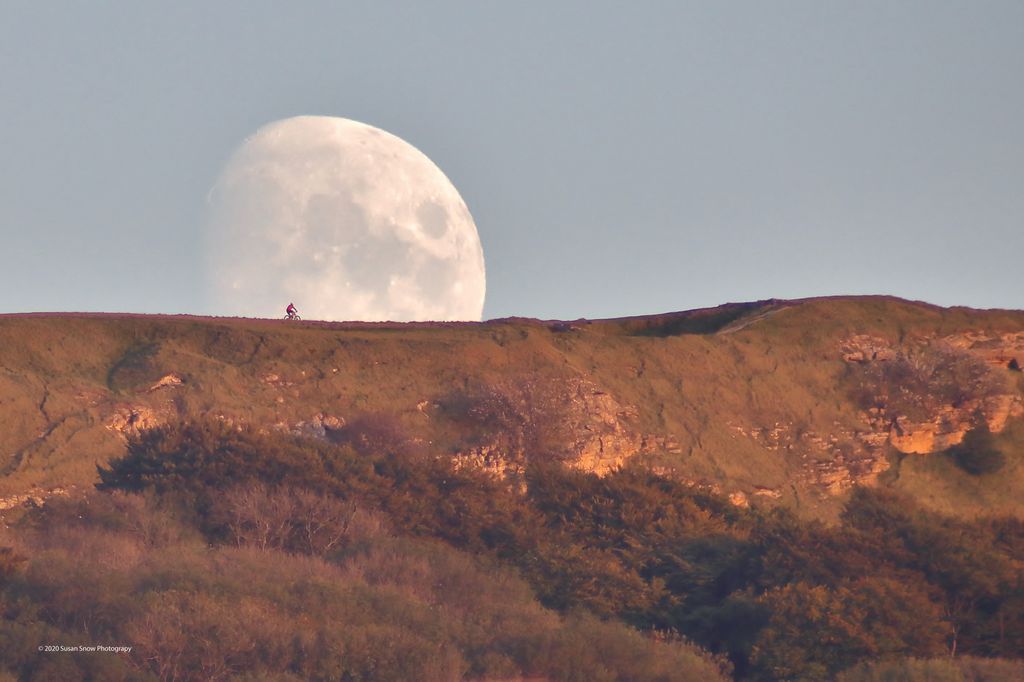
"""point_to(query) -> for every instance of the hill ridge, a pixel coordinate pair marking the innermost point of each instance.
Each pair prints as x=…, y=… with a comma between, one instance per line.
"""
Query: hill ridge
x=764, y=407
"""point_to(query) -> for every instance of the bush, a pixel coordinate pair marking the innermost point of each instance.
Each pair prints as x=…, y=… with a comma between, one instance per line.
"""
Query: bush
x=387, y=609
x=965, y=669
x=816, y=631
x=781, y=597
x=292, y=520
x=11, y=563
x=377, y=433
x=978, y=454
x=590, y=650
x=212, y=454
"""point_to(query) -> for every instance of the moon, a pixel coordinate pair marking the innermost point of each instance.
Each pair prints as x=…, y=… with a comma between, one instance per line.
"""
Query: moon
x=344, y=220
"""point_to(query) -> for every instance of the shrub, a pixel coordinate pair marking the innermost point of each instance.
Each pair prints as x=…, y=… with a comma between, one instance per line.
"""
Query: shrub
x=590, y=650
x=377, y=433
x=292, y=520
x=782, y=597
x=816, y=631
x=11, y=563
x=963, y=669
x=212, y=454
x=978, y=454
x=147, y=518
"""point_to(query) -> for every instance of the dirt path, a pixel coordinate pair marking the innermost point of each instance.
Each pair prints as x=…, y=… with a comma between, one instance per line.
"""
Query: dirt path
x=745, y=322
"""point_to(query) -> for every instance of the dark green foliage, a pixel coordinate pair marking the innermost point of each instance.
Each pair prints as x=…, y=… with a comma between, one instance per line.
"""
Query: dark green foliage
x=382, y=607
x=978, y=454
x=376, y=433
x=215, y=455
x=815, y=631
x=11, y=563
x=706, y=321
x=964, y=669
x=135, y=367
x=368, y=545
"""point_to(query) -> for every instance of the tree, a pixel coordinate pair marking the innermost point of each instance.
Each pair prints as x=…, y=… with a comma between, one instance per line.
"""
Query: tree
x=815, y=631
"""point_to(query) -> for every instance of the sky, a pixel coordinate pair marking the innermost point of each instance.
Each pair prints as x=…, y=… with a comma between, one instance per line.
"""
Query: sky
x=618, y=158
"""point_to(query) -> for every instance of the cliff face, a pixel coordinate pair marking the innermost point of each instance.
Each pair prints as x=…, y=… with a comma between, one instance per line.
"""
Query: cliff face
x=926, y=394
x=572, y=419
x=769, y=403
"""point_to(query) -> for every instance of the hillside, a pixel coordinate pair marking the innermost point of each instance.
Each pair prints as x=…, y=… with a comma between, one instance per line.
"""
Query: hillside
x=782, y=490
x=771, y=403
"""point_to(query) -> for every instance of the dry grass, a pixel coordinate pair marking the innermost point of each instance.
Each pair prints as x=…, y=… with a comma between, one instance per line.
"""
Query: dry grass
x=691, y=376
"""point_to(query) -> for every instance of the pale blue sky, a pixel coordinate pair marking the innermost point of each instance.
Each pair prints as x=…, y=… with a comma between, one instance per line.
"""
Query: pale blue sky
x=619, y=158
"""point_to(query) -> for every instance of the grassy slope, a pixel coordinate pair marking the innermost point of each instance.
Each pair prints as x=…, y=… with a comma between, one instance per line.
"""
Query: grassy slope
x=690, y=375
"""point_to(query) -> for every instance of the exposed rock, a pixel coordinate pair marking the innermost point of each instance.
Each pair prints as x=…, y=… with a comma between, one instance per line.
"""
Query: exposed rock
x=310, y=429
x=739, y=499
x=873, y=439
x=923, y=438
x=865, y=348
x=602, y=430
x=652, y=443
x=331, y=422
x=999, y=350
x=35, y=497
x=167, y=380
x=838, y=475
x=831, y=462
x=835, y=460
x=130, y=420
x=593, y=431
x=772, y=493
x=273, y=379
x=491, y=460
x=604, y=439
x=998, y=410
x=320, y=426
x=950, y=425
x=933, y=365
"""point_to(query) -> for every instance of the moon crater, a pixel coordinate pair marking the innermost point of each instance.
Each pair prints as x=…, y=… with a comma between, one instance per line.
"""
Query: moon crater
x=345, y=220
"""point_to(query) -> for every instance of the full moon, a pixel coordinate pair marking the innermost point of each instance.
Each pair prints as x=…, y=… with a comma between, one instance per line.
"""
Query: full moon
x=344, y=220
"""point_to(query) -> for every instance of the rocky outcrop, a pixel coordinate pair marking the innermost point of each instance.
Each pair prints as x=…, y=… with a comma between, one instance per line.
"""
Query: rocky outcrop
x=923, y=396
x=949, y=384
x=602, y=430
x=584, y=425
x=950, y=424
x=739, y=499
x=865, y=348
x=491, y=459
x=831, y=463
x=130, y=420
x=813, y=412
x=36, y=497
x=1005, y=351
x=166, y=381
x=322, y=426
